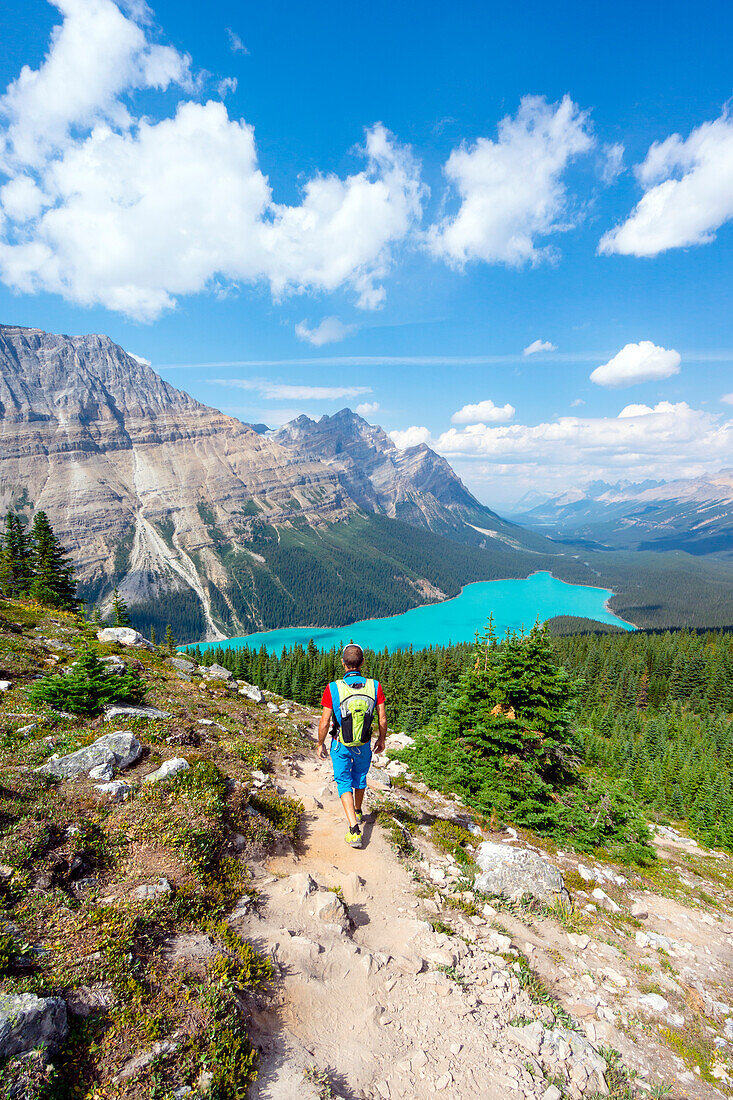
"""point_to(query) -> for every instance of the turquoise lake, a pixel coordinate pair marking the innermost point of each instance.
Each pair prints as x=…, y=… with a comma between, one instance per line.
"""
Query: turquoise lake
x=513, y=603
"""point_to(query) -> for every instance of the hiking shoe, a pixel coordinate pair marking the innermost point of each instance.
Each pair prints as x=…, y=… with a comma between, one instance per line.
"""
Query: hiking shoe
x=353, y=838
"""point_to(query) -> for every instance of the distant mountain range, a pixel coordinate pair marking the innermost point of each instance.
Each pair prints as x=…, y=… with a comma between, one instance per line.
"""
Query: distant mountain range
x=230, y=527
x=694, y=515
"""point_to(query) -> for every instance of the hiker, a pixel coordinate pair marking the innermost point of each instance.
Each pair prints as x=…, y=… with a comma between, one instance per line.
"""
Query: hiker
x=348, y=711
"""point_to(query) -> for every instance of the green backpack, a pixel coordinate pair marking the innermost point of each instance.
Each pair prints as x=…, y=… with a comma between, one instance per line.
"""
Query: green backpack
x=356, y=706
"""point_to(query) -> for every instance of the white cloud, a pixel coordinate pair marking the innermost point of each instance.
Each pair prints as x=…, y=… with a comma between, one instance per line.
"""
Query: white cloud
x=367, y=408
x=642, y=362
x=577, y=402
x=329, y=331
x=657, y=441
x=688, y=185
x=728, y=398
x=511, y=189
x=139, y=359
x=410, y=437
x=108, y=209
x=485, y=411
x=538, y=346
x=613, y=162
x=236, y=45
x=279, y=391
x=96, y=54
x=227, y=85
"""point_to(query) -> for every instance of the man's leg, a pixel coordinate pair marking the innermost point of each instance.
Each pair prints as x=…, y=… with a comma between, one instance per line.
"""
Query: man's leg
x=359, y=799
x=347, y=801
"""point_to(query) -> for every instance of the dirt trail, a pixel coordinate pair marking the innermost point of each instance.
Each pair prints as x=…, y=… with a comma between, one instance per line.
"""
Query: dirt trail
x=369, y=1006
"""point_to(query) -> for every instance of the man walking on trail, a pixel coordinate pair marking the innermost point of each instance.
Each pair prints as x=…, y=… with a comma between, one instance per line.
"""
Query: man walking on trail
x=348, y=711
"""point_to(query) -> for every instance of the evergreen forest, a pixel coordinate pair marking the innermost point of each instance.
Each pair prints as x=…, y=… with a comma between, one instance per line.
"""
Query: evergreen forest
x=647, y=715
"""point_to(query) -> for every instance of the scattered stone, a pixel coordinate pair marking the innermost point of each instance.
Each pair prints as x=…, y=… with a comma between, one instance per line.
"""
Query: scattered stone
x=330, y=908
x=251, y=691
x=28, y=1021
x=140, y=1061
x=115, y=750
x=409, y=964
x=134, y=712
x=602, y=898
x=640, y=910
x=578, y=940
x=529, y=1037
x=182, y=664
x=124, y=635
x=272, y=707
x=552, y=1093
x=302, y=885
x=382, y=784
x=117, y=790
x=311, y=803
x=514, y=872
x=400, y=741
x=654, y=1001
x=151, y=890
x=216, y=672
x=5, y=685
x=167, y=769
x=88, y=999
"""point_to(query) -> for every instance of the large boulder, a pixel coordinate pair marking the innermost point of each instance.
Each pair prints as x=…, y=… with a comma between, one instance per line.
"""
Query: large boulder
x=124, y=635
x=134, y=712
x=216, y=672
x=167, y=770
x=251, y=691
x=116, y=750
x=182, y=664
x=514, y=872
x=28, y=1021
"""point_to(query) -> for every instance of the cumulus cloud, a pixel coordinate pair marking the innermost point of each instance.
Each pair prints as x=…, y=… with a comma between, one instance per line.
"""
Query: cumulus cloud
x=642, y=362
x=538, y=346
x=728, y=398
x=410, y=437
x=688, y=193
x=129, y=213
x=367, y=408
x=284, y=391
x=329, y=331
x=657, y=440
x=511, y=190
x=577, y=402
x=485, y=411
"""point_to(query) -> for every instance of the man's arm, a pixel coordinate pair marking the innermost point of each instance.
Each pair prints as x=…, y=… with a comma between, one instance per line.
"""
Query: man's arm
x=323, y=727
x=382, y=716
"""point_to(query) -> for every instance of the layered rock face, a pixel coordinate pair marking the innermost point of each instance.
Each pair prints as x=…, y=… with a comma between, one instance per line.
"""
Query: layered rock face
x=415, y=485
x=134, y=474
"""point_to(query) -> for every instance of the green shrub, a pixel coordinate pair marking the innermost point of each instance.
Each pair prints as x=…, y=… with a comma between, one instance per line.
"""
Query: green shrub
x=87, y=687
x=282, y=812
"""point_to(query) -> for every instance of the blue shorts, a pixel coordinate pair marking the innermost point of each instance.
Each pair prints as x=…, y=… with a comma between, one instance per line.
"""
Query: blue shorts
x=350, y=766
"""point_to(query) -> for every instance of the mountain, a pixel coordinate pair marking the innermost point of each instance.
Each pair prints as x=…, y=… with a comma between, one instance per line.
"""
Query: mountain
x=692, y=514
x=219, y=527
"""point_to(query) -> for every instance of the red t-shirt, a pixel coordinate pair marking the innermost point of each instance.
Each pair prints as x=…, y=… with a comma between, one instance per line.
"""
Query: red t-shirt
x=326, y=701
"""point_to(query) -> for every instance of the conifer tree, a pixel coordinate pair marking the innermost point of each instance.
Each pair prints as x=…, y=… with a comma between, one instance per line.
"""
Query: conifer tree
x=15, y=564
x=170, y=643
x=120, y=614
x=152, y=635
x=53, y=580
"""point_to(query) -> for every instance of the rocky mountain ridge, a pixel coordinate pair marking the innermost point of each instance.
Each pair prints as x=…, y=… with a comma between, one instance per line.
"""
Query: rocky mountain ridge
x=691, y=514
x=167, y=498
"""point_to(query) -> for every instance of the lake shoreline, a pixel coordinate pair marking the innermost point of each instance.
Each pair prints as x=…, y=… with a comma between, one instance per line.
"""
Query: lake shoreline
x=292, y=635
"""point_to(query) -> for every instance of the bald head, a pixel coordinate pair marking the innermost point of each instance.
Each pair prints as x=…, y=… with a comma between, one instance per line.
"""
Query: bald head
x=353, y=656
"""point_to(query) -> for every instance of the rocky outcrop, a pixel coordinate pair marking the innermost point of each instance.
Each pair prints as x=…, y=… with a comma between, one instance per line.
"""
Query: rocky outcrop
x=27, y=1022
x=515, y=872
x=113, y=751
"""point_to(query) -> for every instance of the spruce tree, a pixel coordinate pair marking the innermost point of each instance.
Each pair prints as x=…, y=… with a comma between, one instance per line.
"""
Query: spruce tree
x=170, y=643
x=53, y=580
x=120, y=614
x=152, y=635
x=15, y=563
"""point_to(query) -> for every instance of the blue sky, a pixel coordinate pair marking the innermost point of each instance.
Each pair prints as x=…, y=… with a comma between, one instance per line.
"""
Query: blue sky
x=288, y=208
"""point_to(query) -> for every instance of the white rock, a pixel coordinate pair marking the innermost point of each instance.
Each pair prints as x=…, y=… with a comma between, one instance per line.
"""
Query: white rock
x=152, y=890
x=167, y=769
x=216, y=672
x=134, y=712
x=514, y=872
x=28, y=1021
x=272, y=708
x=654, y=1001
x=605, y=902
x=330, y=908
x=117, y=790
x=400, y=741
x=115, y=750
x=123, y=635
x=5, y=685
x=102, y=772
x=251, y=691
x=640, y=910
